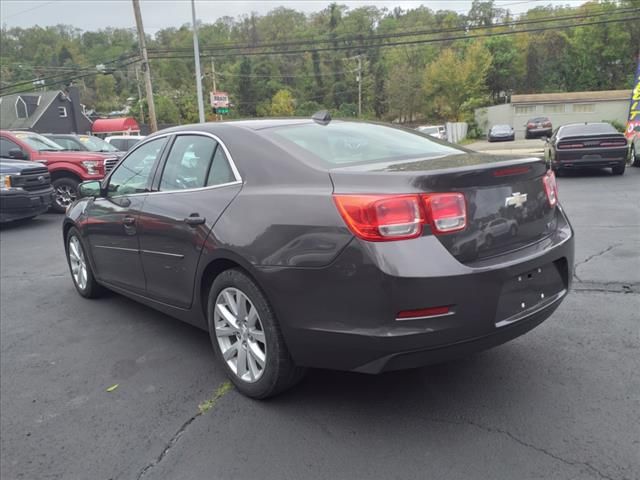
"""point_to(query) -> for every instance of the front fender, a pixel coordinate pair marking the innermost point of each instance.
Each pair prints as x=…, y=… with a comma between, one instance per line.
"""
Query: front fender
x=73, y=169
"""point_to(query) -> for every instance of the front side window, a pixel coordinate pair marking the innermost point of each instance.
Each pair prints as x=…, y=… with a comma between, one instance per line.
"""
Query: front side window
x=38, y=142
x=188, y=163
x=133, y=174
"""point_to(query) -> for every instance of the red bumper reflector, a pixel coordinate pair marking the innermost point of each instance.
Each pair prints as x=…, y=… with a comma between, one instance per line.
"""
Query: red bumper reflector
x=505, y=172
x=424, y=313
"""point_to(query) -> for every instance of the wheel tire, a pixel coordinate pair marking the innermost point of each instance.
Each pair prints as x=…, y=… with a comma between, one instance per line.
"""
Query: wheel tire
x=488, y=241
x=635, y=157
x=76, y=255
x=527, y=135
x=279, y=371
x=618, y=170
x=513, y=231
x=66, y=192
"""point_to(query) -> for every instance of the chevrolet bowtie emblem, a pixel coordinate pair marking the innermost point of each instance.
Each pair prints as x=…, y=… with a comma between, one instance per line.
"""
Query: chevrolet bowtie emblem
x=516, y=199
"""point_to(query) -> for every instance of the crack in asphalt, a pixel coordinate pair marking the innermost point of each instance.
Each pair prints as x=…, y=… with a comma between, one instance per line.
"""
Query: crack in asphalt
x=607, y=287
x=519, y=441
x=208, y=404
x=591, y=257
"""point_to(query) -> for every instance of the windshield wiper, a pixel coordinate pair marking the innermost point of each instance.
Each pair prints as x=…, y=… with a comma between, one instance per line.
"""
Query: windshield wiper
x=50, y=150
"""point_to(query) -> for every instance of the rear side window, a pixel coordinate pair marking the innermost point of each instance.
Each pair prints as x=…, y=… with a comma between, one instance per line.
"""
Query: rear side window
x=220, y=172
x=6, y=146
x=119, y=144
x=342, y=143
x=188, y=163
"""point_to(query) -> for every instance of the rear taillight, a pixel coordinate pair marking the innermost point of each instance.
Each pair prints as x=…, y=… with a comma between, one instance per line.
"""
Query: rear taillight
x=424, y=313
x=551, y=188
x=614, y=143
x=570, y=145
x=381, y=218
x=531, y=125
x=445, y=212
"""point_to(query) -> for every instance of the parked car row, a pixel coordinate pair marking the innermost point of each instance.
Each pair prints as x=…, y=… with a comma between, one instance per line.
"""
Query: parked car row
x=579, y=145
x=69, y=159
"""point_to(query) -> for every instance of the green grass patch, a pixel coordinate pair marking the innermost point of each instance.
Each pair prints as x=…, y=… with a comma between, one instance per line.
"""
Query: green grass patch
x=222, y=390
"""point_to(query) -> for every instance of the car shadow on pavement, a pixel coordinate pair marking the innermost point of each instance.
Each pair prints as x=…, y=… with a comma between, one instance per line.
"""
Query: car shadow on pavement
x=586, y=172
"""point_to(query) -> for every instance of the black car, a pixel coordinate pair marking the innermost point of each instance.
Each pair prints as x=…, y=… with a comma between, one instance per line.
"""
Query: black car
x=316, y=243
x=25, y=190
x=581, y=145
x=501, y=133
x=538, y=127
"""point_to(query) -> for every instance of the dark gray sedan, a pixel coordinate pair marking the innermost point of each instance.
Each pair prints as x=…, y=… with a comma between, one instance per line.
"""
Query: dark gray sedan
x=501, y=133
x=331, y=244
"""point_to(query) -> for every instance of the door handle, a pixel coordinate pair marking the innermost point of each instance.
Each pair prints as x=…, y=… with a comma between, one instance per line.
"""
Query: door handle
x=128, y=221
x=194, y=219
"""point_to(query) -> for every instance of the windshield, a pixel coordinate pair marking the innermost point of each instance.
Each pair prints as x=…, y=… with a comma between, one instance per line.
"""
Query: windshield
x=428, y=129
x=351, y=143
x=96, y=144
x=501, y=128
x=38, y=142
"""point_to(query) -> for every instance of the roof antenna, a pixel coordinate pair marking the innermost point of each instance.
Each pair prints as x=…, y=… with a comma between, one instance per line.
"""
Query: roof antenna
x=323, y=117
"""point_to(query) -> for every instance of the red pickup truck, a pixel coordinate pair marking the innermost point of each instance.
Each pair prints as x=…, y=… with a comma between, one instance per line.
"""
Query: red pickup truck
x=67, y=169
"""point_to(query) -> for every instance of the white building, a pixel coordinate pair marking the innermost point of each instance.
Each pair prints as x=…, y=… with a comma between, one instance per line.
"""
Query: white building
x=561, y=108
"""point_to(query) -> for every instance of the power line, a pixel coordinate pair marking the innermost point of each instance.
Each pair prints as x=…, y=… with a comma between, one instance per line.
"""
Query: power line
x=57, y=75
x=407, y=42
x=361, y=38
x=61, y=81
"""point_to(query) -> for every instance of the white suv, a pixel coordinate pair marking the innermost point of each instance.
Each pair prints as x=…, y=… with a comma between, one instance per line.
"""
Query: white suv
x=124, y=142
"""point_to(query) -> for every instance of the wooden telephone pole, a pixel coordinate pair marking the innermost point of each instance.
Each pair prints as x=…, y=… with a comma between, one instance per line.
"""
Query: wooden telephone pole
x=153, y=124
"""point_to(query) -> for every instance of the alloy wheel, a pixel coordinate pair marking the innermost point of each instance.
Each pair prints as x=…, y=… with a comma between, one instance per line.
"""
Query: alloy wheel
x=78, y=263
x=65, y=195
x=240, y=334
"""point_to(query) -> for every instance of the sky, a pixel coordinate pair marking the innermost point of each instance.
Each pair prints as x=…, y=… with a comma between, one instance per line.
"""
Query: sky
x=159, y=14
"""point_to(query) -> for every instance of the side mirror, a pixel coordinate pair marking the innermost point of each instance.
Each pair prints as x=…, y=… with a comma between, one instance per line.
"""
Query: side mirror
x=17, y=154
x=90, y=188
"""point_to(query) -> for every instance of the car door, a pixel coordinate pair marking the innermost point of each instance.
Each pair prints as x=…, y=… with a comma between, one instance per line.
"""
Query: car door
x=112, y=220
x=194, y=186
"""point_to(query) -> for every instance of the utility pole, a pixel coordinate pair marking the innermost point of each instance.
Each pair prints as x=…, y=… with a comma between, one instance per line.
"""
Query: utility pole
x=213, y=74
x=139, y=92
x=196, y=53
x=153, y=124
x=359, y=86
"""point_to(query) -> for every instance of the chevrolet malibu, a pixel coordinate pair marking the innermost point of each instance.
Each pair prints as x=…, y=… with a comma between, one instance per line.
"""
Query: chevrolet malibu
x=330, y=244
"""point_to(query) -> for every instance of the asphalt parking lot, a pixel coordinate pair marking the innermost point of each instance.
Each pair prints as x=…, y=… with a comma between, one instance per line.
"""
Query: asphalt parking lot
x=561, y=402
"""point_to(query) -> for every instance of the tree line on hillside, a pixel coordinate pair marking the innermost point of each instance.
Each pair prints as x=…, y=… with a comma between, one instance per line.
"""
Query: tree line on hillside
x=443, y=63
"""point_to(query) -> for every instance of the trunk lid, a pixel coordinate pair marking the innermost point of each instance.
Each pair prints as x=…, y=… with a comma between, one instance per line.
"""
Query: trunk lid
x=507, y=206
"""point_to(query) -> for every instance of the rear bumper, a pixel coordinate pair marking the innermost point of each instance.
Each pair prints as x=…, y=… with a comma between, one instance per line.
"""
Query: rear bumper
x=592, y=158
x=538, y=132
x=344, y=316
x=16, y=205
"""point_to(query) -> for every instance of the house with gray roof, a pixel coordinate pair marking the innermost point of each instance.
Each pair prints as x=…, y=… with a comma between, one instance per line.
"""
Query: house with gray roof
x=55, y=111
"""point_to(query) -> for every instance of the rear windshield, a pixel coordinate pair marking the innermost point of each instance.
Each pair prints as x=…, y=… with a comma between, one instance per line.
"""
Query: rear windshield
x=352, y=143
x=38, y=142
x=586, y=129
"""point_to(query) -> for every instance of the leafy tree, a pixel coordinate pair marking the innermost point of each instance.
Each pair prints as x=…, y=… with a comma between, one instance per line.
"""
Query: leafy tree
x=282, y=104
x=456, y=79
